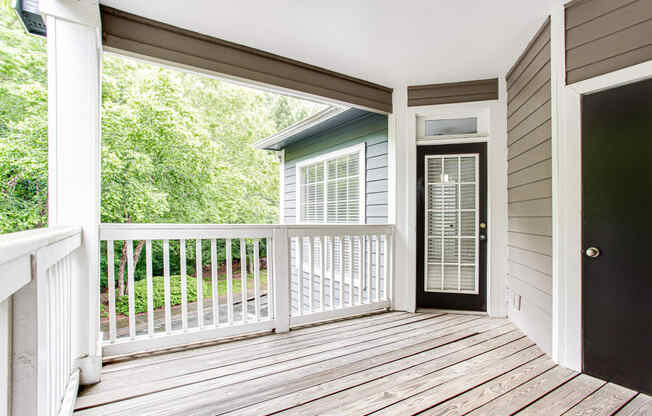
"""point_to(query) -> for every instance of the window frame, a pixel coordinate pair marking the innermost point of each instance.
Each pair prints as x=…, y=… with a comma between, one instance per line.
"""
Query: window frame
x=361, y=149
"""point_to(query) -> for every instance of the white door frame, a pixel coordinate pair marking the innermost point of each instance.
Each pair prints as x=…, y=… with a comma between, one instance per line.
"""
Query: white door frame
x=405, y=156
x=567, y=192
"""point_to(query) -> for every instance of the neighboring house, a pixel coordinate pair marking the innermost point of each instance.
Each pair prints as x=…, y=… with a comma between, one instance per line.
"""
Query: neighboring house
x=334, y=170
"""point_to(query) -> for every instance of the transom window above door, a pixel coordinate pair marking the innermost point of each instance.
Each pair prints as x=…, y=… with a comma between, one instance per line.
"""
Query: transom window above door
x=331, y=187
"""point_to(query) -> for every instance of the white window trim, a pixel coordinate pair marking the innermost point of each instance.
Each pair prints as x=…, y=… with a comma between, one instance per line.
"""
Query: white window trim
x=358, y=148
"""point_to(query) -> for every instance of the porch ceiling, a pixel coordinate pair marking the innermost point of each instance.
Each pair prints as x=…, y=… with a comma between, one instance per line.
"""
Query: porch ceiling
x=383, y=41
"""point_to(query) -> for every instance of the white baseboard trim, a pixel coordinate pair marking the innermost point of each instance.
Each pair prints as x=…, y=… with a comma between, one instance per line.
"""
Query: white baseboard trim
x=451, y=311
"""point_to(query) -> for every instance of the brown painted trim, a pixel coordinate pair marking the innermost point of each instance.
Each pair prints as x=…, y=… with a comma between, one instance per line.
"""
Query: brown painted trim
x=532, y=41
x=453, y=92
x=135, y=34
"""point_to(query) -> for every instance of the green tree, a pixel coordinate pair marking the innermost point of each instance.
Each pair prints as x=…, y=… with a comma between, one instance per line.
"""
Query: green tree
x=176, y=147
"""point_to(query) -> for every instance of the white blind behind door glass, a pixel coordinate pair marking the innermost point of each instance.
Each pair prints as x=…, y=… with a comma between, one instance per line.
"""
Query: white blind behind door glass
x=451, y=215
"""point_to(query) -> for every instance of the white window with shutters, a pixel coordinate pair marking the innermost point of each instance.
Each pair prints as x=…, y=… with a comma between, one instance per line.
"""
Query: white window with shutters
x=331, y=188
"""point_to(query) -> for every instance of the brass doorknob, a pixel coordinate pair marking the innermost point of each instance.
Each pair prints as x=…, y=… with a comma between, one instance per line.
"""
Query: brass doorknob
x=592, y=252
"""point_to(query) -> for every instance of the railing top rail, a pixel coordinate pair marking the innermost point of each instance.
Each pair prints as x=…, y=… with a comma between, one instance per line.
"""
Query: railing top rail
x=210, y=231
x=18, y=244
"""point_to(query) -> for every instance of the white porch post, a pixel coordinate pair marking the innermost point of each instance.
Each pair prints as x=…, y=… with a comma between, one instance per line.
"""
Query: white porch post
x=402, y=196
x=74, y=59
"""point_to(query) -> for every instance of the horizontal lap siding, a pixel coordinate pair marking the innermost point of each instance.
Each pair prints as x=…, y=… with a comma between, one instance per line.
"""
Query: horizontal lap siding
x=454, y=92
x=529, y=184
x=606, y=35
x=371, y=130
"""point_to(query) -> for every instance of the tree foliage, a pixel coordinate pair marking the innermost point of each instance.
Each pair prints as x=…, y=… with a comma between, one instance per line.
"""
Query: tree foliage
x=177, y=147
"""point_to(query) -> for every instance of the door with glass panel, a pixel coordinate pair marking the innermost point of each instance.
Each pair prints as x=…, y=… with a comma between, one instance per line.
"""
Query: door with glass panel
x=451, y=227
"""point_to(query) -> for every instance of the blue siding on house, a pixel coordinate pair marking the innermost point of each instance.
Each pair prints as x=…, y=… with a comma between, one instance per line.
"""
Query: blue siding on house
x=370, y=129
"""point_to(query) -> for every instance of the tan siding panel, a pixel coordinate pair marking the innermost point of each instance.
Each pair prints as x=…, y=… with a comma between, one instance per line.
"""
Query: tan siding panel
x=539, y=40
x=609, y=65
x=453, y=92
x=536, y=261
x=539, y=280
x=527, y=159
x=136, y=34
x=535, y=190
x=530, y=140
x=540, y=98
x=529, y=184
x=533, y=121
x=539, y=298
x=537, y=243
x=581, y=11
x=531, y=225
x=530, y=72
x=533, y=208
x=615, y=44
x=538, y=81
x=603, y=36
x=534, y=173
x=617, y=20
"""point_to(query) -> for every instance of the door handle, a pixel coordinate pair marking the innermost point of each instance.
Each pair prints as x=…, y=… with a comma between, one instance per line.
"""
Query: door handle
x=592, y=252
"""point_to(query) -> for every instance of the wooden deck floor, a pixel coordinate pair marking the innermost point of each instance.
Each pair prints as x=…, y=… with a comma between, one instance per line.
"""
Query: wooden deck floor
x=387, y=364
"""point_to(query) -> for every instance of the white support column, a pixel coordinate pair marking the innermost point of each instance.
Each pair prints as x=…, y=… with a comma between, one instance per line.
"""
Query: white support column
x=497, y=204
x=566, y=205
x=74, y=71
x=402, y=199
x=281, y=267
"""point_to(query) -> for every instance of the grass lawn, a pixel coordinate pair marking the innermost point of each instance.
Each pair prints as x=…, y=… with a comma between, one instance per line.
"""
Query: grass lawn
x=158, y=286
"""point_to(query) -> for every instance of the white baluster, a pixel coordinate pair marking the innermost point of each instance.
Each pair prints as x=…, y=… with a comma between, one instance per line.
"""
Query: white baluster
x=111, y=288
x=214, y=283
x=150, y=288
x=200, y=283
x=166, y=285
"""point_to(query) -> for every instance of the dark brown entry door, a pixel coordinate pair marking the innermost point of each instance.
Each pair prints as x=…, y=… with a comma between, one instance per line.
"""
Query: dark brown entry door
x=452, y=226
x=617, y=235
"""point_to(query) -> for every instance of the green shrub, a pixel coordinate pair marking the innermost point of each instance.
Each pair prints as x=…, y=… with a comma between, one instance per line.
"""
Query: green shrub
x=158, y=289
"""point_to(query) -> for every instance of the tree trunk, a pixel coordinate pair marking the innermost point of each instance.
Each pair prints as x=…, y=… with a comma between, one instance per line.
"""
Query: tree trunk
x=121, y=270
x=139, y=249
x=123, y=263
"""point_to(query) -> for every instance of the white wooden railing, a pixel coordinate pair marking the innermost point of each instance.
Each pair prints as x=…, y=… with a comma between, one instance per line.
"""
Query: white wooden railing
x=38, y=369
x=338, y=271
x=342, y=284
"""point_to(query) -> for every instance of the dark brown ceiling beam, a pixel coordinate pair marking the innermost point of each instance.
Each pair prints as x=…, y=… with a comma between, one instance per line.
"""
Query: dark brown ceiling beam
x=453, y=92
x=145, y=37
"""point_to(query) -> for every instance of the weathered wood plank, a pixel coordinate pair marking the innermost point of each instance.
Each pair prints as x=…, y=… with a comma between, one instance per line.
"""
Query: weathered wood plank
x=388, y=390
x=333, y=327
x=603, y=402
x=489, y=391
x=525, y=394
x=200, y=368
x=434, y=358
x=564, y=398
x=641, y=405
x=347, y=349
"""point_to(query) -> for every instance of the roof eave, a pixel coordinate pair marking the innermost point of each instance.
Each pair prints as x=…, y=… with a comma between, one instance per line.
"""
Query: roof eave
x=271, y=142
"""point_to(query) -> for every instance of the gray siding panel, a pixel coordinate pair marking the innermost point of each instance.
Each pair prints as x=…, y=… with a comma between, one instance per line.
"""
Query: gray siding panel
x=371, y=130
x=606, y=35
x=529, y=168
